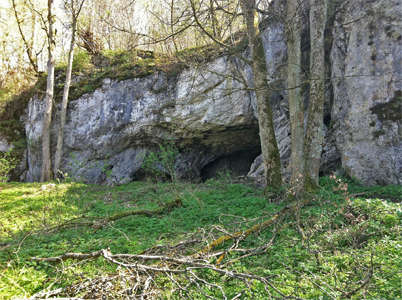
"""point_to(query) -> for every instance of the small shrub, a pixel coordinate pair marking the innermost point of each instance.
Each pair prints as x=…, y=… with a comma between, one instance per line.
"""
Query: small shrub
x=82, y=60
x=7, y=163
x=162, y=163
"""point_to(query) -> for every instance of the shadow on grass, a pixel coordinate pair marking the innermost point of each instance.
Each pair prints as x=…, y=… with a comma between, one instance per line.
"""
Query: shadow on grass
x=28, y=213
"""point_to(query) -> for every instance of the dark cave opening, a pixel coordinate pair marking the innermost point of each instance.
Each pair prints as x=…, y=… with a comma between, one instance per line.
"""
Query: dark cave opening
x=327, y=120
x=237, y=164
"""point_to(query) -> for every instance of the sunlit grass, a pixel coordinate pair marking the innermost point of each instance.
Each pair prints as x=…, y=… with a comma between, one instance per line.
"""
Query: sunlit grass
x=344, y=234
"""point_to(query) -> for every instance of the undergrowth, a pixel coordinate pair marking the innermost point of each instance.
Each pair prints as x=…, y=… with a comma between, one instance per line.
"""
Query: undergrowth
x=348, y=234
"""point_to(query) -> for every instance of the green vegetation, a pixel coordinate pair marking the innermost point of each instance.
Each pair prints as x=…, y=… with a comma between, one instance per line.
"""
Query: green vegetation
x=14, y=95
x=7, y=163
x=162, y=163
x=349, y=230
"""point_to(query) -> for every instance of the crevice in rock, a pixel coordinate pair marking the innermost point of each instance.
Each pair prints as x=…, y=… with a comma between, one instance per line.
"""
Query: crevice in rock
x=329, y=39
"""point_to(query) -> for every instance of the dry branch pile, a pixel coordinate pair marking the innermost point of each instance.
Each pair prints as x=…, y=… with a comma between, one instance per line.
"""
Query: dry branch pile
x=182, y=268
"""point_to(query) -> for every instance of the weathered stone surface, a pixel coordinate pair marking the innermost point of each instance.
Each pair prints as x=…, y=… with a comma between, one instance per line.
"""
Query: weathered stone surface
x=4, y=145
x=367, y=79
x=276, y=53
x=366, y=109
x=206, y=112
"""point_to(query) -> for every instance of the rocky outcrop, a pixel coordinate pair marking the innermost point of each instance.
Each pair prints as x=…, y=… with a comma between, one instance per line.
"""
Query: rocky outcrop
x=209, y=111
x=364, y=105
x=206, y=112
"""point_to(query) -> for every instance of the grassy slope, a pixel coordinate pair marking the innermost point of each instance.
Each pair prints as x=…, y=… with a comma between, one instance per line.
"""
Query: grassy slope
x=343, y=236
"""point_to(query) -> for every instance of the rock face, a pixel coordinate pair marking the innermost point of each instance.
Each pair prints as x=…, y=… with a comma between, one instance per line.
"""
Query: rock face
x=367, y=79
x=209, y=112
x=4, y=145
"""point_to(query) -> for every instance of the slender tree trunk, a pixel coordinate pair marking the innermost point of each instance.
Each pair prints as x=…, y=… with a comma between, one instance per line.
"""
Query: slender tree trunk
x=47, y=118
x=296, y=108
x=172, y=23
x=269, y=146
x=315, y=134
x=28, y=44
x=63, y=112
x=216, y=28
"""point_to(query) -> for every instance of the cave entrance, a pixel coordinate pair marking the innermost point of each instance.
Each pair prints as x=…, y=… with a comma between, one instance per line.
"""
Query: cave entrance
x=237, y=164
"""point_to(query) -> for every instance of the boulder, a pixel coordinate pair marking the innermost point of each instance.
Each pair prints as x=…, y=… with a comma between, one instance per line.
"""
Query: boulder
x=4, y=145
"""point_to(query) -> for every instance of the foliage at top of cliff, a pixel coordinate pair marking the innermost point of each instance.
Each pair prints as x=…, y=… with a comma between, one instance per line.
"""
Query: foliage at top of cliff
x=89, y=71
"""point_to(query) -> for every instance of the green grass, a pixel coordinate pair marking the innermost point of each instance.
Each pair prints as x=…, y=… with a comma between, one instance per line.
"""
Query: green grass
x=343, y=235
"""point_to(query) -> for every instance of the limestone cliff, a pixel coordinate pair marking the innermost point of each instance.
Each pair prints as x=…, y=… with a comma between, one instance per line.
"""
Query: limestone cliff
x=209, y=110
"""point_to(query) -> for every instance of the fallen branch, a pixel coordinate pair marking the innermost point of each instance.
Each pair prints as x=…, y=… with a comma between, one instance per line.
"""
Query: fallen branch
x=168, y=207
x=184, y=266
x=257, y=227
x=364, y=282
x=255, y=251
x=188, y=263
x=171, y=249
x=181, y=265
x=100, y=222
x=192, y=264
x=65, y=256
x=244, y=233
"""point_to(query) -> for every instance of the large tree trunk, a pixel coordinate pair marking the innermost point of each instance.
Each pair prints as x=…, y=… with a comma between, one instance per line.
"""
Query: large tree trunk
x=269, y=146
x=296, y=107
x=47, y=118
x=63, y=112
x=315, y=135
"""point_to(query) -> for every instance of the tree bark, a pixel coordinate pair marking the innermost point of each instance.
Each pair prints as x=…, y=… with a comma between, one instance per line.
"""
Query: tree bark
x=269, y=146
x=296, y=107
x=47, y=118
x=315, y=134
x=63, y=112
